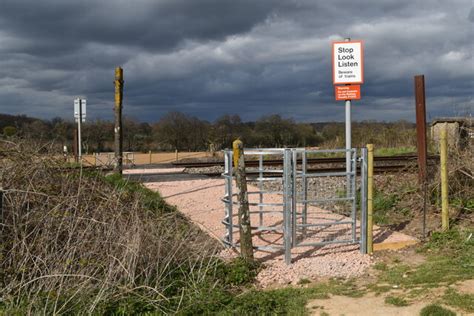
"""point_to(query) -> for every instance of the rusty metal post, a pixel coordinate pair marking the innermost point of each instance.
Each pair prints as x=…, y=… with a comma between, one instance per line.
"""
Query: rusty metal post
x=246, y=244
x=118, y=140
x=421, y=126
x=421, y=140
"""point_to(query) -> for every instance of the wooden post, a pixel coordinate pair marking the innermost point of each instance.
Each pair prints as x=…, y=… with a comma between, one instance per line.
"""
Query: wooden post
x=443, y=153
x=1, y=205
x=246, y=245
x=149, y=153
x=118, y=140
x=370, y=197
x=74, y=146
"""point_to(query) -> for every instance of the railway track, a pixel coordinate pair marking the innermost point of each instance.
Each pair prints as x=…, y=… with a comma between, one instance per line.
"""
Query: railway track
x=405, y=160
x=377, y=170
x=382, y=164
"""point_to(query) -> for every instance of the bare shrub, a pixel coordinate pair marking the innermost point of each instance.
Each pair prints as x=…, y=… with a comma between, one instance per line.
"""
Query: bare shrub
x=73, y=243
x=460, y=181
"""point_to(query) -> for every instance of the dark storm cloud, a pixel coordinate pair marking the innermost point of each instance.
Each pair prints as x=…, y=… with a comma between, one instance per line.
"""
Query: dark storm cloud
x=211, y=57
x=58, y=26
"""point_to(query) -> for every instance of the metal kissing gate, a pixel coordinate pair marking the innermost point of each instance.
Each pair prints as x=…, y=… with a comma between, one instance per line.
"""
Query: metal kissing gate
x=297, y=206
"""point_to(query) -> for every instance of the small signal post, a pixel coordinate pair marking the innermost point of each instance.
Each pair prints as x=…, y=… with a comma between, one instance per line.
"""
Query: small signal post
x=80, y=117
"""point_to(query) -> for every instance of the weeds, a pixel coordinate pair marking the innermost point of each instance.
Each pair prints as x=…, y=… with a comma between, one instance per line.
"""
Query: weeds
x=436, y=310
x=463, y=301
x=397, y=301
x=450, y=258
x=394, y=151
x=76, y=243
x=383, y=205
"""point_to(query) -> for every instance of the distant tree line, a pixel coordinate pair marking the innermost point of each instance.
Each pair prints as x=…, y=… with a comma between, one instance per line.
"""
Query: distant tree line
x=184, y=132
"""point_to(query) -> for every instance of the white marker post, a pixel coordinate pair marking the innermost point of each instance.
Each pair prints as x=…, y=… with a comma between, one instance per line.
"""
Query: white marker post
x=348, y=70
x=80, y=115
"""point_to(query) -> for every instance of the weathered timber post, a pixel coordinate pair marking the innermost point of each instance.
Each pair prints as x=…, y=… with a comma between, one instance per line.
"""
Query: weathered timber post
x=246, y=246
x=149, y=153
x=1, y=205
x=176, y=154
x=443, y=153
x=370, y=197
x=118, y=140
x=74, y=146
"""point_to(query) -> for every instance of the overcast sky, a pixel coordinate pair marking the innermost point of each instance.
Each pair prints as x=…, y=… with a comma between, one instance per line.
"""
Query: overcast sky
x=251, y=57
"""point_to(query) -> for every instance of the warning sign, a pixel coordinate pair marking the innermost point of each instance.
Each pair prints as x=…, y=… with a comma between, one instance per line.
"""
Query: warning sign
x=348, y=63
x=351, y=92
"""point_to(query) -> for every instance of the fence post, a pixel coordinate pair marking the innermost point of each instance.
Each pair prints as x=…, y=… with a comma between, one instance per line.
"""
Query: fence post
x=370, y=197
x=1, y=205
x=363, y=201
x=149, y=153
x=443, y=152
x=118, y=136
x=246, y=246
x=176, y=154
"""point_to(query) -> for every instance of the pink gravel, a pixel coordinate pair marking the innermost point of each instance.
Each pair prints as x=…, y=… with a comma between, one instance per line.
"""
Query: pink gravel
x=200, y=201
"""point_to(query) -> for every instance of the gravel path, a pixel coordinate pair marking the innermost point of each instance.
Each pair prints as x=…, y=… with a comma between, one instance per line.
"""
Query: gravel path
x=200, y=201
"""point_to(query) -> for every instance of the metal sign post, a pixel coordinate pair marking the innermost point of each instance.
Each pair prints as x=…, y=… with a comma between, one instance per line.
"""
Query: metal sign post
x=80, y=116
x=348, y=139
x=348, y=68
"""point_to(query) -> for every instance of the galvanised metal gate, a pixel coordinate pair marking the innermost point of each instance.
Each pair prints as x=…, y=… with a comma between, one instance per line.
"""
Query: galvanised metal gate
x=292, y=207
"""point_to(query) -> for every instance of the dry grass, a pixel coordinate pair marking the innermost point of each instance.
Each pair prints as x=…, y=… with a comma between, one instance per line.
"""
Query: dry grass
x=461, y=185
x=73, y=243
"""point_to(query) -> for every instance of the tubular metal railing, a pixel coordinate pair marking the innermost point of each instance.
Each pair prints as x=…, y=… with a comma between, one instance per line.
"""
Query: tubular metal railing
x=295, y=206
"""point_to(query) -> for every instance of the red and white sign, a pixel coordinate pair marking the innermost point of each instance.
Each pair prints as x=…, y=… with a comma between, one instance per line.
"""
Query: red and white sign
x=351, y=92
x=348, y=62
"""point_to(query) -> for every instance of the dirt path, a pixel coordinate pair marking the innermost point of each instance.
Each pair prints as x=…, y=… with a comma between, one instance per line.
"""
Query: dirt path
x=362, y=306
x=374, y=305
x=200, y=201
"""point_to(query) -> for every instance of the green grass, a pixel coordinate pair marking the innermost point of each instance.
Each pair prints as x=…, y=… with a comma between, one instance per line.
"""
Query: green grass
x=436, y=310
x=287, y=301
x=456, y=299
x=450, y=258
x=382, y=266
x=304, y=281
x=397, y=301
x=394, y=151
x=152, y=200
x=383, y=205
